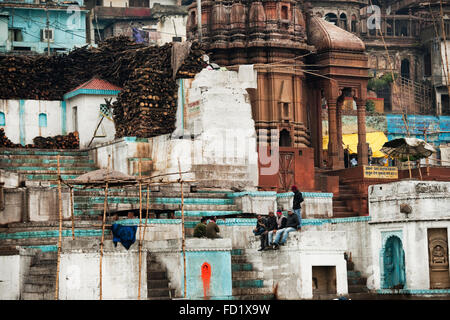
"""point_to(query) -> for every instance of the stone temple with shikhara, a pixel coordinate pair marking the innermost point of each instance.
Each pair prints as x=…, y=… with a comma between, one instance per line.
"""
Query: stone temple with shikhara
x=248, y=127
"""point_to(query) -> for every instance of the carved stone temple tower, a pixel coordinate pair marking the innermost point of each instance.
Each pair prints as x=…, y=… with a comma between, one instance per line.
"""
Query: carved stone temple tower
x=272, y=35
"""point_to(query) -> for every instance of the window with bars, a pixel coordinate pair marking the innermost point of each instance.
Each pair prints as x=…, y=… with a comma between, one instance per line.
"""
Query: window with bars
x=105, y=110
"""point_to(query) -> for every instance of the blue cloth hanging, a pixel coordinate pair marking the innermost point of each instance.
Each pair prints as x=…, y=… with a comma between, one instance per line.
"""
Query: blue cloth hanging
x=126, y=235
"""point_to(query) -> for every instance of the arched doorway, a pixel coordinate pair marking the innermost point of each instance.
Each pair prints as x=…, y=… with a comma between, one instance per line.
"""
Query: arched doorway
x=331, y=17
x=343, y=19
x=405, y=68
x=394, y=264
x=285, y=138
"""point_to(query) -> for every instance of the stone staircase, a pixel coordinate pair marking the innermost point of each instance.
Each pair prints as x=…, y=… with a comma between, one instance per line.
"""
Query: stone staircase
x=165, y=203
x=157, y=282
x=340, y=208
x=41, y=165
x=45, y=234
x=40, y=281
x=247, y=284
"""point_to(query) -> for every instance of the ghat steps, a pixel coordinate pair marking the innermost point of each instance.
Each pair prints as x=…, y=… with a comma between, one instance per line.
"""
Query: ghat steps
x=158, y=285
x=41, y=165
x=247, y=284
x=40, y=280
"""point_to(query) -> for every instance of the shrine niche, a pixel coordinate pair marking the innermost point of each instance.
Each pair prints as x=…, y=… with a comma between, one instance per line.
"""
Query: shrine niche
x=438, y=258
x=394, y=276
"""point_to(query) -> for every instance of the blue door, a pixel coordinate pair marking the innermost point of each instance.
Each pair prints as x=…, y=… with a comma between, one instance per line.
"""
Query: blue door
x=394, y=264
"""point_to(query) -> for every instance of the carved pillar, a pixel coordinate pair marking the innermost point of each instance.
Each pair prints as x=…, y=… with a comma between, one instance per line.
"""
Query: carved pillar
x=333, y=155
x=363, y=146
x=339, y=147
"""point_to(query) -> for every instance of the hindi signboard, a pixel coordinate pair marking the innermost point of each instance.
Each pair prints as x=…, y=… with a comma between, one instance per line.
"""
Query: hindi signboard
x=380, y=172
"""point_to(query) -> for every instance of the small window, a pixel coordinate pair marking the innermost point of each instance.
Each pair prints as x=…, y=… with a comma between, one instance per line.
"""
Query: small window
x=42, y=120
x=2, y=119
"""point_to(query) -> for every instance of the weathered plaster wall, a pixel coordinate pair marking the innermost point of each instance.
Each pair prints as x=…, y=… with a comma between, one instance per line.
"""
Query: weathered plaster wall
x=13, y=269
x=429, y=202
x=289, y=269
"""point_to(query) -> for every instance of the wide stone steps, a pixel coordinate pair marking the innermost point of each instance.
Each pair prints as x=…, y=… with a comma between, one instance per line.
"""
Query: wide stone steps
x=44, y=163
x=41, y=165
x=247, y=284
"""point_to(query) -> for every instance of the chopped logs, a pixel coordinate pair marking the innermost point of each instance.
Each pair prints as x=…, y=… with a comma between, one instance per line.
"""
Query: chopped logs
x=145, y=107
x=69, y=141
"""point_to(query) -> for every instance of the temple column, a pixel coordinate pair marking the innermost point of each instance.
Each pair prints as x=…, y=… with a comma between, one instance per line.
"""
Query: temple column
x=363, y=146
x=333, y=155
x=340, y=149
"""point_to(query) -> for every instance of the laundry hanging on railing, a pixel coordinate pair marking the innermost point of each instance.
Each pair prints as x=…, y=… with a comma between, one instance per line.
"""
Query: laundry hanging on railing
x=126, y=235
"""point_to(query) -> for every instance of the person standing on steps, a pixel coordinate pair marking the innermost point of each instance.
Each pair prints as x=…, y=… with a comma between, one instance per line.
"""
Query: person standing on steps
x=297, y=205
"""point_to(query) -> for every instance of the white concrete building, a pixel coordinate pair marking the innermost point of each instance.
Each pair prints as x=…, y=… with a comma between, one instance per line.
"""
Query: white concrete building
x=409, y=235
x=81, y=110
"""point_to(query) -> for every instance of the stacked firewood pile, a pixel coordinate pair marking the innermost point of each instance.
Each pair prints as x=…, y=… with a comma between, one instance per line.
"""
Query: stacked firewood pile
x=4, y=141
x=145, y=107
x=69, y=141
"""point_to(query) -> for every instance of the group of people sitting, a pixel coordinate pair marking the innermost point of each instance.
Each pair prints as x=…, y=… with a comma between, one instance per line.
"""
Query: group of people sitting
x=277, y=227
x=274, y=230
x=210, y=230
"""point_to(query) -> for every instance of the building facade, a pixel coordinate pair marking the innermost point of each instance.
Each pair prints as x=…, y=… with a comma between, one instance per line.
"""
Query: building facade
x=34, y=26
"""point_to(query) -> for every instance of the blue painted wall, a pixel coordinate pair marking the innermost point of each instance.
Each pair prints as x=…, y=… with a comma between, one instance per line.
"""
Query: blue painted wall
x=416, y=124
x=220, y=281
x=67, y=21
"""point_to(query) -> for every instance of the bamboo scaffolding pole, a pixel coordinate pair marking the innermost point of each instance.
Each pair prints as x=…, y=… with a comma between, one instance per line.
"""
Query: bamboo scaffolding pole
x=140, y=229
x=105, y=203
x=71, y=212
x=58, y=261
x=183, y=241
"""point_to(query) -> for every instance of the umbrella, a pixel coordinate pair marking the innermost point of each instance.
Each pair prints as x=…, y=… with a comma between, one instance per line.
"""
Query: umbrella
x=408, y=148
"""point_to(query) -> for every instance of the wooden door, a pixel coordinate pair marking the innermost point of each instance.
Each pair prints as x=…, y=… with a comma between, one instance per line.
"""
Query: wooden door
x=438, y=258
x=286, y=171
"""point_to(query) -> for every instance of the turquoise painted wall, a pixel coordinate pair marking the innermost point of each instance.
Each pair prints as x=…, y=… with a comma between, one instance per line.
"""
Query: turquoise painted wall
x=68, y=23
x=220, y=285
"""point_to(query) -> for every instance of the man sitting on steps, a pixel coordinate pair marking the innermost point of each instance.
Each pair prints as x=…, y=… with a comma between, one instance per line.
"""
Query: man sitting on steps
x=291, y=225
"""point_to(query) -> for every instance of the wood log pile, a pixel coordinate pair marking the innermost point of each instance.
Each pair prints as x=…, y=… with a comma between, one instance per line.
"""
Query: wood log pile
x=69, y=141
x=145, y=107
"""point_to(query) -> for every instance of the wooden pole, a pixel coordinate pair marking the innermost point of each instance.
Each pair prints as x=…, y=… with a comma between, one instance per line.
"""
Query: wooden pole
x=183, y=241
x=60, y=232
x=140, y=230
x=103, y=228
x=409, y=167
x=71, y=212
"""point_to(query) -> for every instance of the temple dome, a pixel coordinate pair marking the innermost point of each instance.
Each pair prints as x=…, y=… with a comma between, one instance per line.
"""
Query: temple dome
x=326, y=36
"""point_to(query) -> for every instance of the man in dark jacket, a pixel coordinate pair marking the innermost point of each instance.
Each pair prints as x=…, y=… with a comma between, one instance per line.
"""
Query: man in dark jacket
x=297, y=205
x=260, y=225
x=200, y=228
x=291, y=225
x=270, y=224
x=212, y=229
